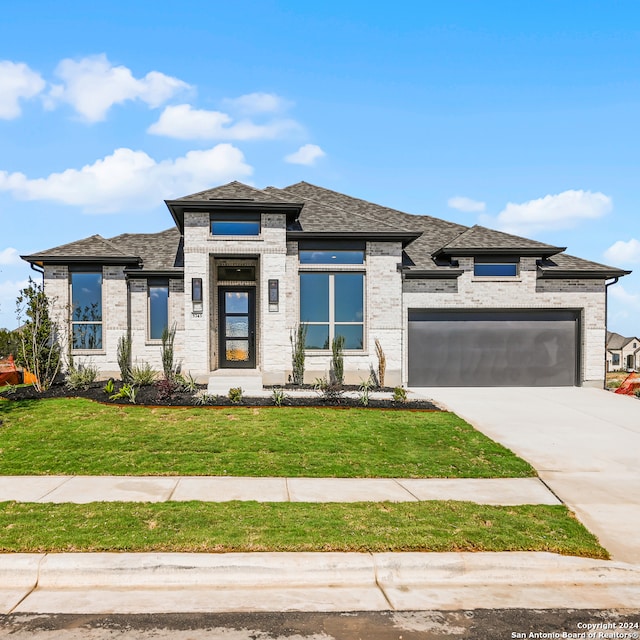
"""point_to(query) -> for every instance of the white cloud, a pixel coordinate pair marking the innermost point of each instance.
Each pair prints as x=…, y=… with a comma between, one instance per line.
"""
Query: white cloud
x=561, y=211
x=624, y=251
x=9, y=290
x=307, y=154
x=186, y=123
x=466, y=204
x=129, y=179
x=622, y=296
x=17, y=81
x=93, y=85
x=253, y=103
x=9, y=256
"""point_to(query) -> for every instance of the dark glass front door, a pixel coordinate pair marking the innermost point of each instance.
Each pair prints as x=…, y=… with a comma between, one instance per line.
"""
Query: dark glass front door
x=237, y=327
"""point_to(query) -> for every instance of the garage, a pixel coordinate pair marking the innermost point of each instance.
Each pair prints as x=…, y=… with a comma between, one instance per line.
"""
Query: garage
x=514, y=348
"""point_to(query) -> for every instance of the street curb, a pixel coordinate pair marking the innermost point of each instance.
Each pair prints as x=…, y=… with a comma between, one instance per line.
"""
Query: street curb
x=181, y=582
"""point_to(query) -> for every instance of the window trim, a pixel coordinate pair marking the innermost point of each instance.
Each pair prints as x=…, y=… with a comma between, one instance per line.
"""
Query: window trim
x=157, y=282
x=95, y=269
x=331, y=322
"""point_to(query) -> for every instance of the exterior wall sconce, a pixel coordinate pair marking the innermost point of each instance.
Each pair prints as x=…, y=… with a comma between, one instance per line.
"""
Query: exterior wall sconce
x=196, y=295
x=274, y=295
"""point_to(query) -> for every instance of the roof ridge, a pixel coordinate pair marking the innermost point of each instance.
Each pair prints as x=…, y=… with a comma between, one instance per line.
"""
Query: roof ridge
x=422, y=216
x=337, y=208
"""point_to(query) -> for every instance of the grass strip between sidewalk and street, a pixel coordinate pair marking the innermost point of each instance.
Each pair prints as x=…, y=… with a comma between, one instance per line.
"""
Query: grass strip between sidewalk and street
x=81, y=437
x=251, y=526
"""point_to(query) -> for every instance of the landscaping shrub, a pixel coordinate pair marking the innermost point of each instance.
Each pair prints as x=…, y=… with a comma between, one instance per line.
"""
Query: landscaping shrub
x=336, y=372
x=124, y=358
x=298, y=345
x=399, y=394
x=143, y=375
x=81, y=377
x=382, y=362
x=330, y=390
x=235, y=395
x=169, y=367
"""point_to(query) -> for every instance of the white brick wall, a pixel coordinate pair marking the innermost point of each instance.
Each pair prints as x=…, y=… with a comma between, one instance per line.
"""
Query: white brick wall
x=387, y=301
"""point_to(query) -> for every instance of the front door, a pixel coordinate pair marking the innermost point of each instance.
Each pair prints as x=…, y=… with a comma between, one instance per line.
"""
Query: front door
x=237, y=327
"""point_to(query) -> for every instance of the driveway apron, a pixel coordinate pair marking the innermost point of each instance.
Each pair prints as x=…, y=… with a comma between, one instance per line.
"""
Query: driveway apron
x=584, y=443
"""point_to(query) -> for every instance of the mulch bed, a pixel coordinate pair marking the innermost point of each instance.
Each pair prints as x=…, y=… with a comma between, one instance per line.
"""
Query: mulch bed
x=153, y=396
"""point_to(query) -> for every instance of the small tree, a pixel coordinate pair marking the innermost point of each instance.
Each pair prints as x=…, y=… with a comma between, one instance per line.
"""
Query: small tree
x=40, y=351
x=298, y=345
x=337, y=360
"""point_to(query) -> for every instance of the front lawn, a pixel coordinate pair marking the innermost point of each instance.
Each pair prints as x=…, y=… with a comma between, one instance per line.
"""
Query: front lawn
x=249, y=526
x=80, y=437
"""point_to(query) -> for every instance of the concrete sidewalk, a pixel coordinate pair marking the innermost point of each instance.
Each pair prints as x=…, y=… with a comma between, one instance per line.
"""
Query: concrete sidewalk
x=99, y=583
x=85, y=489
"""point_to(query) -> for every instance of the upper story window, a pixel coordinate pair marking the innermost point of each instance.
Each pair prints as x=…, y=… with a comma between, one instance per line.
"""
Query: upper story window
x=331, y=253
x=86, y=310
x=158, y=299
x=235, y=224
x=496, y=267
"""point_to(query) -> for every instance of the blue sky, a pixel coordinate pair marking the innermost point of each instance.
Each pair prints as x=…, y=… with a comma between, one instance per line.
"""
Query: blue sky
x=521, y=116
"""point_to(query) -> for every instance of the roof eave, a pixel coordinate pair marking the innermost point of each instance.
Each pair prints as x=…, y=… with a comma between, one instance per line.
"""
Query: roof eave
x=432, y=274
x=539, y=252
x=154, y=273
x=42, y=260
x=584, y=274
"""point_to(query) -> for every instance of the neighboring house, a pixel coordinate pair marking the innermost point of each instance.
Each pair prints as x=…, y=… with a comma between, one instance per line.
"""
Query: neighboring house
x=243, y=267
x=623, y=354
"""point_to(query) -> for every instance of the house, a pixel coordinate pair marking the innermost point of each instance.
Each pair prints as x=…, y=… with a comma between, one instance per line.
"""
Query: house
x=623, y=354
x=242, y=267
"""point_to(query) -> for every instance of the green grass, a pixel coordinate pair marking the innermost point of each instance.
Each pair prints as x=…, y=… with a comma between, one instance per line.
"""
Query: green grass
x=80, y=437
x=249, y=526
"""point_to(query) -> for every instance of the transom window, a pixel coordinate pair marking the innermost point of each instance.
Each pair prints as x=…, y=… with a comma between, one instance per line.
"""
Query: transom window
x=158, y=293
x=235, y=224
x=496, y=267
x=331, y=305
x=334, y=253
x=86, y=310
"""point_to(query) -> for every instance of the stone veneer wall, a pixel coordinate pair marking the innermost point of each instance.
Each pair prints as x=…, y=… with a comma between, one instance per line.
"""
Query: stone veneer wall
x=525, y=292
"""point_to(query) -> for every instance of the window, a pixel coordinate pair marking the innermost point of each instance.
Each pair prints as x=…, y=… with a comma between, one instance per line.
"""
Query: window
x=336, y=253
x=86, y=310
x=235, y=224
x=158, y=293
x=332, y=304
x=495, y=267
x=615, y=359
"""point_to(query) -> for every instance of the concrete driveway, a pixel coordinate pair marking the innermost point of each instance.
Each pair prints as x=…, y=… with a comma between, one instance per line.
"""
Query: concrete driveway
x=584, y=443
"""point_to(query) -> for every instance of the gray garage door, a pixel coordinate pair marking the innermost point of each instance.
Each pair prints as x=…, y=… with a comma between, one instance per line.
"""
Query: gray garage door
x=493, y=348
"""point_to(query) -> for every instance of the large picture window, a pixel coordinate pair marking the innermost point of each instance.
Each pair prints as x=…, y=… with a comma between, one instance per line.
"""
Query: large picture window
x=331, y=305
x=158, y=309
x=86, y=310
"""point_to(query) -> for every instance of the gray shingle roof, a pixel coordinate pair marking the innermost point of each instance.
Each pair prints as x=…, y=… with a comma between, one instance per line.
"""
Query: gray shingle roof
x=479, y=239
x=323, y=210
x=232, y=191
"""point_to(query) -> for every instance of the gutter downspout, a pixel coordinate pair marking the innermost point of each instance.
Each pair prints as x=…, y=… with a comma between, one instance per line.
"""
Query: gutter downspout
x=606, y=320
